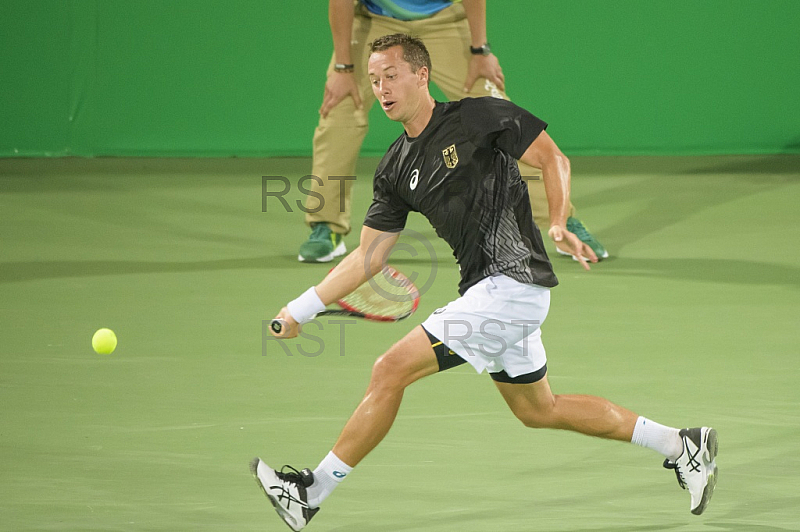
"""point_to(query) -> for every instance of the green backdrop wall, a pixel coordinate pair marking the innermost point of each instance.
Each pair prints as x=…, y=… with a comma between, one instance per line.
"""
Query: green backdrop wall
x=245, y=77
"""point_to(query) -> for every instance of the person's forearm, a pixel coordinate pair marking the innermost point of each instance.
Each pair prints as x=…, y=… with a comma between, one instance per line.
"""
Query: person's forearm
x=476, y=17
x=359, y=266
x=543, y=153
x=342, y=280
x=556, y=177
x=340, y=17
x=345, y=278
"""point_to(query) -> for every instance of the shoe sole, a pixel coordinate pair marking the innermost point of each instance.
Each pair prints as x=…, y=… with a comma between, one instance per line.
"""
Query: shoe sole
x=278, y=508
x=712, y=447
x=337, y=252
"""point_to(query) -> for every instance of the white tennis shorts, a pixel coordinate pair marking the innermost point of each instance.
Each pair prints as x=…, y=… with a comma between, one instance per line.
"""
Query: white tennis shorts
x=495, y=326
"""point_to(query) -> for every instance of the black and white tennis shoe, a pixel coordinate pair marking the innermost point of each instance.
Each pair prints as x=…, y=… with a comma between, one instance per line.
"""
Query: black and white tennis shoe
x=286, y=490
x=696, y=468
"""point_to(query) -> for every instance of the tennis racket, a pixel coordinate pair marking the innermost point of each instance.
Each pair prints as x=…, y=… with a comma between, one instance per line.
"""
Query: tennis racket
x=388, y=296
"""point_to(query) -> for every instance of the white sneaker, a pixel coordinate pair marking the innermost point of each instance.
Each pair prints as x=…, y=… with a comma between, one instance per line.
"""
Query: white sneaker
x=696, y=468
x=286, y=491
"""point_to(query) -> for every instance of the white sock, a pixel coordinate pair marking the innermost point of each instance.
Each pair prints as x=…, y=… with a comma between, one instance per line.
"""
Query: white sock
x=327, y=476
x=652, y=435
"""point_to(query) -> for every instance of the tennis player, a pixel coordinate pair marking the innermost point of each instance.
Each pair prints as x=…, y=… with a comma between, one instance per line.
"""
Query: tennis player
x=455, y=164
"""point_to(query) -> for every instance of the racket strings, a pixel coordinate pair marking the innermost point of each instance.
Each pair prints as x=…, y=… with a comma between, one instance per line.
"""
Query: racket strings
x=389, y=293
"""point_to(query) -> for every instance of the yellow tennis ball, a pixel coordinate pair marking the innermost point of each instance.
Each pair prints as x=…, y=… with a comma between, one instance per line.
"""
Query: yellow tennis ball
x=104, y=341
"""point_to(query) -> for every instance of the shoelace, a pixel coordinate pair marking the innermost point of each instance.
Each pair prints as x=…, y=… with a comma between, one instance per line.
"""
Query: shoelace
x=292, y=476
x=678, y=473
x=693, y=462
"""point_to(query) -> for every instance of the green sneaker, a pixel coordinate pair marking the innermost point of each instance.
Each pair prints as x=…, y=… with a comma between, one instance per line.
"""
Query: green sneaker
x=576, y=226
x=322, y=246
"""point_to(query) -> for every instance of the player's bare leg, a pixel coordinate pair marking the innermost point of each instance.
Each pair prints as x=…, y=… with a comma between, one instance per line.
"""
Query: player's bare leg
x=297, y=495
x=535, y=405
x=690, y=452
x=407, y=361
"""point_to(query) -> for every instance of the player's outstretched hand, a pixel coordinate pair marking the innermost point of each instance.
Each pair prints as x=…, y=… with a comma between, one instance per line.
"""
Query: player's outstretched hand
x=569, y=242
x=484, y=66
x=289, y=327
x=338, y=87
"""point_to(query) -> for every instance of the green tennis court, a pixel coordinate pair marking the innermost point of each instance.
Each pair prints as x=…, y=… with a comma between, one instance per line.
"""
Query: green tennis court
x=693, y=320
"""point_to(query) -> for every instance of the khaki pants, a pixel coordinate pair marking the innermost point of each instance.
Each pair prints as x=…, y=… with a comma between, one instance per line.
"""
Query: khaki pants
x=338, y=138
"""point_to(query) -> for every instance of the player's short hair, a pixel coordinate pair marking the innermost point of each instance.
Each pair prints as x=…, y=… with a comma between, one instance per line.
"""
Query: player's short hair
x=414, y=51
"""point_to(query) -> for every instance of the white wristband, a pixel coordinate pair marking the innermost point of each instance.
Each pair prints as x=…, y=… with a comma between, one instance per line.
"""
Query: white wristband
x=304, y=308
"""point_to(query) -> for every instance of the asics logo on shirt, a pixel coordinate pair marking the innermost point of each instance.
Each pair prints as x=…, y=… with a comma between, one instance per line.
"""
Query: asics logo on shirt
x=414, y=179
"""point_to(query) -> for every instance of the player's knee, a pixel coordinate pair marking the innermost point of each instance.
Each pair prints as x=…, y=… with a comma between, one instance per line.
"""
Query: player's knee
x=535, y=417
x=388, y=372
x=532, y=420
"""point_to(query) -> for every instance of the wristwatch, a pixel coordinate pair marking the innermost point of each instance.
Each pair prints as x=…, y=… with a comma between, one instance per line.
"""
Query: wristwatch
x=481, y=50
x=343, y=68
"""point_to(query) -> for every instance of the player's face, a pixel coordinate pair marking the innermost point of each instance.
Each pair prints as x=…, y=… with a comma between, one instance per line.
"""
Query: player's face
x=396, y=87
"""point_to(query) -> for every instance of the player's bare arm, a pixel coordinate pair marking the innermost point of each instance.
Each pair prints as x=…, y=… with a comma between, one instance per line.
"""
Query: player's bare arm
x=357, y=268
x=480, y=66
x=340, y=85
x=544, y=153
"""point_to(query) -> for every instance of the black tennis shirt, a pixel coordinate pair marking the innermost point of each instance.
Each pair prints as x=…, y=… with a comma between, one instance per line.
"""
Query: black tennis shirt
x=461, y=173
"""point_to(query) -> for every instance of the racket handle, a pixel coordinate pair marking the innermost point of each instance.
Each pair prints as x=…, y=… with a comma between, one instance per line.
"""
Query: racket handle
x=277, y=325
